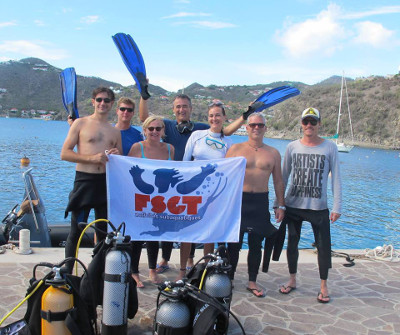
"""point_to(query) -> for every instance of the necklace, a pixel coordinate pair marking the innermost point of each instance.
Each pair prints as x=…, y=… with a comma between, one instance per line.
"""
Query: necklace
x=255, y=148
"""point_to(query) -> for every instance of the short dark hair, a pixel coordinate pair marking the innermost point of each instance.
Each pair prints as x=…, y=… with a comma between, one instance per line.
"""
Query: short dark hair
x=107, y=90
x=183, y=96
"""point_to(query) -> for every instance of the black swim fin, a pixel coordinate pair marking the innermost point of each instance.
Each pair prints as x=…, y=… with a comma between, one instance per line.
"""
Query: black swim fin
x=133, y=60
x=68, y=91
x=275, y=96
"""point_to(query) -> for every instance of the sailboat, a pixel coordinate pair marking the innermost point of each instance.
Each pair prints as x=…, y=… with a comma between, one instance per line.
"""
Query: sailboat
x=340, y=145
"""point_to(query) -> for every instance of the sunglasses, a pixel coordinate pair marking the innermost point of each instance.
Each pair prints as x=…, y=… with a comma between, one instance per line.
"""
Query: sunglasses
x=155, y=128
x=185, y=127
x=259, y=125
x=218, y=104
x=307, y=121
x=106, y=100
x=217, y=144
x=123, y=109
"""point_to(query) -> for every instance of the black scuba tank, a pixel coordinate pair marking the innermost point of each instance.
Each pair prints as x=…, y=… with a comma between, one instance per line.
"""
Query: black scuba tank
x=172, y=315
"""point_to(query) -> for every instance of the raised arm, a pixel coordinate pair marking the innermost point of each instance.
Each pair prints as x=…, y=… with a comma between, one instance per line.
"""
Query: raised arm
x=143, y=109
x=235, y=125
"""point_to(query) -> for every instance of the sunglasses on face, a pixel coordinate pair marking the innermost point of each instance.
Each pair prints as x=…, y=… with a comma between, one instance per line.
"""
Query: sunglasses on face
x=259, y=125
x=106, y=100
x=185, y=127
x=123, y=109
x=307, y=121
x=154, y=128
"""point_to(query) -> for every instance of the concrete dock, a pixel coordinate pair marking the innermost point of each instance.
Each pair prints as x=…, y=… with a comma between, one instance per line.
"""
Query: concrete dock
x=365, y=298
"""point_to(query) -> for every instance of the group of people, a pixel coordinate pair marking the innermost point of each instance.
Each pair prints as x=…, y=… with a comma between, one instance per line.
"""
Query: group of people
x=307, y=162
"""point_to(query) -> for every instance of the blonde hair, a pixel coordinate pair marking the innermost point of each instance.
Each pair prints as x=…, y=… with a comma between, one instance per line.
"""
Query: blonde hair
x=126, y=101
x=152, y=118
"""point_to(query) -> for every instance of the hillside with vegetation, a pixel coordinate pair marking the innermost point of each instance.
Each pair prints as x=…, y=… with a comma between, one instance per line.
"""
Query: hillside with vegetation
x=32, y=84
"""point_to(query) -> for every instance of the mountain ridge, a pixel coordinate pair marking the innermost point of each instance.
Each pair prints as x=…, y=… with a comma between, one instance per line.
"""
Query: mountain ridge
x=32, y=83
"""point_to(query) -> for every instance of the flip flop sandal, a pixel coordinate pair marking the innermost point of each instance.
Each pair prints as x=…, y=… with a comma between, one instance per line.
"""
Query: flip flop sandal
x=291, y=288
x=162, y=268
x=320, y=300
x=254, y=290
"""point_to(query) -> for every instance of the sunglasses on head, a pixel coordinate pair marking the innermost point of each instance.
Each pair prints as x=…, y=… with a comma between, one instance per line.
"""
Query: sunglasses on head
x=309, y=120
x=185, y=127
x=217, y=104
x=123, y=109
x=259, y=125
x=106, y=100
x=154, y=128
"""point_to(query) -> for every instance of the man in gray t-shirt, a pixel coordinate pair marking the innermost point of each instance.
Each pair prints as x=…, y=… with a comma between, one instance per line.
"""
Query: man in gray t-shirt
x=308, y=162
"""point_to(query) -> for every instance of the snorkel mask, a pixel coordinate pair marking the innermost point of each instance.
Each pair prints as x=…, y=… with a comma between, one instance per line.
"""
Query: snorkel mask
x=185, y=127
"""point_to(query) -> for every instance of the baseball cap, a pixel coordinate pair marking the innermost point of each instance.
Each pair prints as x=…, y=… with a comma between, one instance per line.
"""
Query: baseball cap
x=311, y=112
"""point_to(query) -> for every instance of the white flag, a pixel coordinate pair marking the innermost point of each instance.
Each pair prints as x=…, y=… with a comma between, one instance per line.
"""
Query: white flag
x=160, y=200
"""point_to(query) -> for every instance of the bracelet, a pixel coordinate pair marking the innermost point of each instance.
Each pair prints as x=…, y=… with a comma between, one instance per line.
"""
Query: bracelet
x=282, y=207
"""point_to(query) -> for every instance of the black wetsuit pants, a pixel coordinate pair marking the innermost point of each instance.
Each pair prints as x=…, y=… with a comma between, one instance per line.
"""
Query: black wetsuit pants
x=166, y=250
x=152, y=254
x=82, y=215
x=253, y=257
x=320, y=224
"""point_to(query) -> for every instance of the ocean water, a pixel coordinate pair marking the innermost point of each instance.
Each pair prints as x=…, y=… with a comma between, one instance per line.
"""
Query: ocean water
x=371, y=183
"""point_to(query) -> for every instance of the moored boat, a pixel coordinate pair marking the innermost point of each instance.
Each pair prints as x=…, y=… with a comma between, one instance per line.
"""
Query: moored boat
x=32, y=215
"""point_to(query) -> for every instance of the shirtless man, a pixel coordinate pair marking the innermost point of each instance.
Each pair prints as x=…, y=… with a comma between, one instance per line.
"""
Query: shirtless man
x=93, y=136
x=262, y=162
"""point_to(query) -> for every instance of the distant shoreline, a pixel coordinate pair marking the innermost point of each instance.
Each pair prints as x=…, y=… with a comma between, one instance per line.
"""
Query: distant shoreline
x=355, y=143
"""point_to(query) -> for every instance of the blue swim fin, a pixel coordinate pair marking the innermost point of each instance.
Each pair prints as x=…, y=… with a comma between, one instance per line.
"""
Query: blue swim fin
x=68, y=91
x=133, y=60
x=275, y=96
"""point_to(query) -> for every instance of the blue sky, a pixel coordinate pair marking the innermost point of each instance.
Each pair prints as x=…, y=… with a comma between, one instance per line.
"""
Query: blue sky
x=222, y=42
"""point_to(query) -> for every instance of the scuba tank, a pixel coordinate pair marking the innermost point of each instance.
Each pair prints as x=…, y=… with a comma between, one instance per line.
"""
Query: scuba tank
x=116, y=288
x=218, y=283
x=57, y=301
x=211, y=307
x=172, y=315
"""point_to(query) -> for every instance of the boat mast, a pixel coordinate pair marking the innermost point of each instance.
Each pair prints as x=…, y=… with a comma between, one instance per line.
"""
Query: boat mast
x=348, y=109
x=340, y=106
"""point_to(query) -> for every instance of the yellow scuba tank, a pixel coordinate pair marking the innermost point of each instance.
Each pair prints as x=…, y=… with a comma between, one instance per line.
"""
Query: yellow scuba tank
x=57, y=300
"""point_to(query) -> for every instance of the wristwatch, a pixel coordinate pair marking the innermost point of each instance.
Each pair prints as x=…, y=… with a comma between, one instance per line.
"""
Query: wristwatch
x=282, y=207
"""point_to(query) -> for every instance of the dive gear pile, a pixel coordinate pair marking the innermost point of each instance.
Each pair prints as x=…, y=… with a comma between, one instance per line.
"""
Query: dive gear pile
x=61, y=303
x=199, y=304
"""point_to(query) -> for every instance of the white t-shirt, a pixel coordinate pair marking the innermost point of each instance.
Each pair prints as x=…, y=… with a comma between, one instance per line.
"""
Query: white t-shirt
x=204, y=144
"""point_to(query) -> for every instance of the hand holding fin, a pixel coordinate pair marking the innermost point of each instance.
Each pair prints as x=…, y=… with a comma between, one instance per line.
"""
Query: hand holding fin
x=252, y=108
x=133, y=60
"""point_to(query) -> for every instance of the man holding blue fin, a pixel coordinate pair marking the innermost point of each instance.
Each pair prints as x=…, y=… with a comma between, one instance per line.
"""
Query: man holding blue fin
x=95, y=138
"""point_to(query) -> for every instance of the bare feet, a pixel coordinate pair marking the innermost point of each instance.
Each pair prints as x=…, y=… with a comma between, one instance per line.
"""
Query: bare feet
x=139, y=283
x=255, y=289
x=182, y=274
x=290, y=285
x=189, y=263
x=154, y=278
x=323, y=294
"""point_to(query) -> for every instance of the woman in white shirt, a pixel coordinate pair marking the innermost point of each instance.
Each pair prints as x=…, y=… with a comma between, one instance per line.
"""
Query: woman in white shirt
x=203, y=145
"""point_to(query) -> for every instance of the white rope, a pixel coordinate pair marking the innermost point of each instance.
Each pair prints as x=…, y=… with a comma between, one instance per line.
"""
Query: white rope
x=384, y=253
